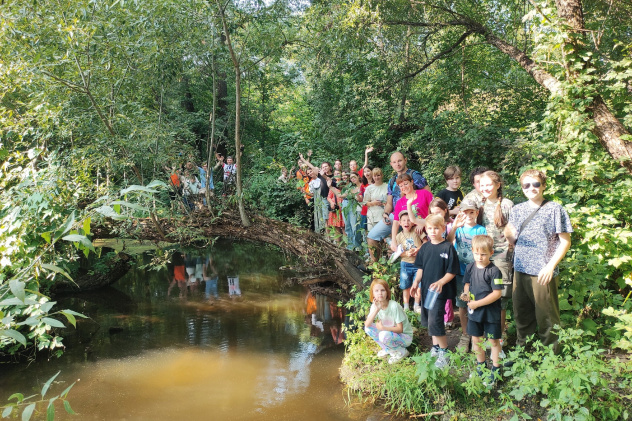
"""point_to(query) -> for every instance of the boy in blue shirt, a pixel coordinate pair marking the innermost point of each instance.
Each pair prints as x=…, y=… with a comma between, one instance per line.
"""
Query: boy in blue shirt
x=463, y=231
x=483, y=288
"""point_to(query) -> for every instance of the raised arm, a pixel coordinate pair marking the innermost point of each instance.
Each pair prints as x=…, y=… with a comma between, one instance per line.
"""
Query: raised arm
x=367, y=151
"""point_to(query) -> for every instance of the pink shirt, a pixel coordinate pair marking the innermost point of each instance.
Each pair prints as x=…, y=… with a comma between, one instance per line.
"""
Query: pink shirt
x=420, y=205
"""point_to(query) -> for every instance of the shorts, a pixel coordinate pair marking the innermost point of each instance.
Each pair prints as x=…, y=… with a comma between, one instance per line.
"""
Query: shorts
x=459, y=290
x=381, y=230
x=487, y=329
x=506, y=268
x=433, y=319
x=407, y=272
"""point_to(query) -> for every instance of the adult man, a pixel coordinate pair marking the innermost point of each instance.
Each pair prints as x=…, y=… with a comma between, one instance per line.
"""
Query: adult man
x=384, y=228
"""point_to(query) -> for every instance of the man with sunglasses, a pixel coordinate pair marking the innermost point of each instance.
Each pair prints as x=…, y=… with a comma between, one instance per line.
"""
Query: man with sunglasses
x=540, y=231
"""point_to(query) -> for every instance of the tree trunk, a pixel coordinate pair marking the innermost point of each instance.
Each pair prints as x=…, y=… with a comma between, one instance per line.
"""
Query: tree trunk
x=240, y=197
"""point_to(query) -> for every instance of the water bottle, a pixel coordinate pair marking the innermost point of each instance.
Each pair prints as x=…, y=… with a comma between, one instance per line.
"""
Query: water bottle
x=431, y=299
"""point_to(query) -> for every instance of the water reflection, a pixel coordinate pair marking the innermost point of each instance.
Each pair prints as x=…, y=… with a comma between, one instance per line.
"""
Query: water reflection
x=217, y=335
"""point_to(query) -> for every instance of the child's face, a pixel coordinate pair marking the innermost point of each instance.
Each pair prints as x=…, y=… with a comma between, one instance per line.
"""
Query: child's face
x=229, y=161
x=454, y=183
x=435, y=232
x=435, y=210
x=379, y=293
x=477, y=182
x=489, y=189
x=470, y=217
x=405, y=223
x=336, y=173
x=481, y=257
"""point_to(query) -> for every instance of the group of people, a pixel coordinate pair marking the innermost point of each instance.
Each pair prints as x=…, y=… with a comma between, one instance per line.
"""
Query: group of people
x=476, y=251
x=188, y=182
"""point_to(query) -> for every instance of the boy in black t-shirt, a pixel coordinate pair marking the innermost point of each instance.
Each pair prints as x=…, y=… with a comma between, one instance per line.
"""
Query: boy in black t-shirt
x=452, y=195
x=482, y=289
x=437, y=265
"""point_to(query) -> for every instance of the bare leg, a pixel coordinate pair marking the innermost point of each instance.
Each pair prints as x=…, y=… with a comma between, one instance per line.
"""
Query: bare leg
x=442, y=341
x=375, y=251
x=463, y=317
x=495, y=352
x=478, y=350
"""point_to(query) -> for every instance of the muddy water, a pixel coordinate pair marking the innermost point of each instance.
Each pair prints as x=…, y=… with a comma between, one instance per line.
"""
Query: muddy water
x=217, y=335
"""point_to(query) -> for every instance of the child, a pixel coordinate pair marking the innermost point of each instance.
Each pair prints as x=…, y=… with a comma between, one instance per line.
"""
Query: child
x=463, y=230
x=410, y=242
x=452, y=195
x=483, y=288
x=393, y=332
x=437, y=265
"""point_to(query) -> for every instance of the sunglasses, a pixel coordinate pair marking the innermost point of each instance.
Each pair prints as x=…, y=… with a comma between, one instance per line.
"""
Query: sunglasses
x=535, y=184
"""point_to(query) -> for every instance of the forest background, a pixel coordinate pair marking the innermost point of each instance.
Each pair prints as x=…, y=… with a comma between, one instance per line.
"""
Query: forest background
x=97, y=96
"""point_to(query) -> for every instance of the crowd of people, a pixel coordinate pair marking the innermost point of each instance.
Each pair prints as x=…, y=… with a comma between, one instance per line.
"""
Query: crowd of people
x=476, y=251
x=188, y=182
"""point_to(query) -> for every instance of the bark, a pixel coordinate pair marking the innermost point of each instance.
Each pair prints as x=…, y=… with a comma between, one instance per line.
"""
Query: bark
x=83, y=281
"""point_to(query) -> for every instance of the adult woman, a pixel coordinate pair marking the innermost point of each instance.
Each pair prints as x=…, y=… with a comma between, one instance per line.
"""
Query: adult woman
x=421, y=199
x=367, y=179
x=335, y=215
x=540, y=230
x=494, y=215
x=314, y=187
x=351, y=195
x=375, y=198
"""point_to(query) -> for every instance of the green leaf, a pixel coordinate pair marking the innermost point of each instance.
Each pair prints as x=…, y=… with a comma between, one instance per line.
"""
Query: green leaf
x=156, y=183
x=129, y=205
x=70, y=318
x=108, y=212
x=7, y=411
x=47, y=306
x=48, y=383
x=66, y=390
x=53, y=322
x=46, y=236
x=117, y=209
x=86, y=225
x=17, y=288
x=68, y=408
x=138, y=188
x=74, y=313
x=66, y=227
x=14, y=334
x=18, y=396
x=28, y=412
x=50, y=411
x=82, y=239
x=56, y=269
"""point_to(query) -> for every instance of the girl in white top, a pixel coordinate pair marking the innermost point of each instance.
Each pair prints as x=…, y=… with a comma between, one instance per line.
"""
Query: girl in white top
x=375, y=198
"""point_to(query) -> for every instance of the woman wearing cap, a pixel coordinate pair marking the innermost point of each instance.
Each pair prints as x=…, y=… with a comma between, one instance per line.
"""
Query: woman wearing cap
x=540, y=230
x=420, y=201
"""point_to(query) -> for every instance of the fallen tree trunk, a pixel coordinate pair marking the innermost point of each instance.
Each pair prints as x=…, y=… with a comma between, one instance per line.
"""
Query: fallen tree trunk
x=326, y=267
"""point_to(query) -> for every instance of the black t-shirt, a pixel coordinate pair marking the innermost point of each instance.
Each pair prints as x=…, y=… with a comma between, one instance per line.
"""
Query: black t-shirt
x=452, y=198
x=482, y=283
x=324, y=188
x=436, y=260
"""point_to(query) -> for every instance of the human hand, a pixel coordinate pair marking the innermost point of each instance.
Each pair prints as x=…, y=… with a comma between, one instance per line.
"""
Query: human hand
x=473, y=305
x=329, y=182
x=309, y=152
x=465, y=296
x=437, y=286
x=386, y=219
x=419, y=229
x=545, y=275
x=410, y=202
x=368, y=149
x=379, y=326
x=459, y=221
x=394, y=246
x=413, y=252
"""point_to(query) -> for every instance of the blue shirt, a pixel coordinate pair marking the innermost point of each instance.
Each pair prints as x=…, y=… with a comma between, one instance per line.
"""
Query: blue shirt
x=463, y=244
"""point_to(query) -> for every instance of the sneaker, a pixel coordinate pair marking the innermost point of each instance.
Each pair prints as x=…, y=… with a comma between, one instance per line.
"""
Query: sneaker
x=417, y=309
x=464, y=343
x=442, y=359
x=382, y=353
x=434, y=351
x=495, y=375
x=397, y=356
x=479, y=370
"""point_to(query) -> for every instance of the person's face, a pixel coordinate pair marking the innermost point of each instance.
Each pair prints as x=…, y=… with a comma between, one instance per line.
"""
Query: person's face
x=398, y=162
x=337, y=174
x=406, y=187
x=379, y=293
x=310, y=173
x=229, y=161
x=325, y=167
x=488, y=188
x=481, y=257
x=470, y=216
x=436, y=210
x=205, y=167
x=338, y=165
x=434, y=232
x=353, y=166
x=354, y=179
x=377, y=177
x=368, y=174
x=477, y=182
x=455, y=182
x=532, y=192
x=405, y=223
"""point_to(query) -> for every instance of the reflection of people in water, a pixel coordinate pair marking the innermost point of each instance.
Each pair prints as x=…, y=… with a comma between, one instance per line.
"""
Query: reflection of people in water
x=233, y=286
x=210, y=277
x=190, y=263
x=178, y=274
